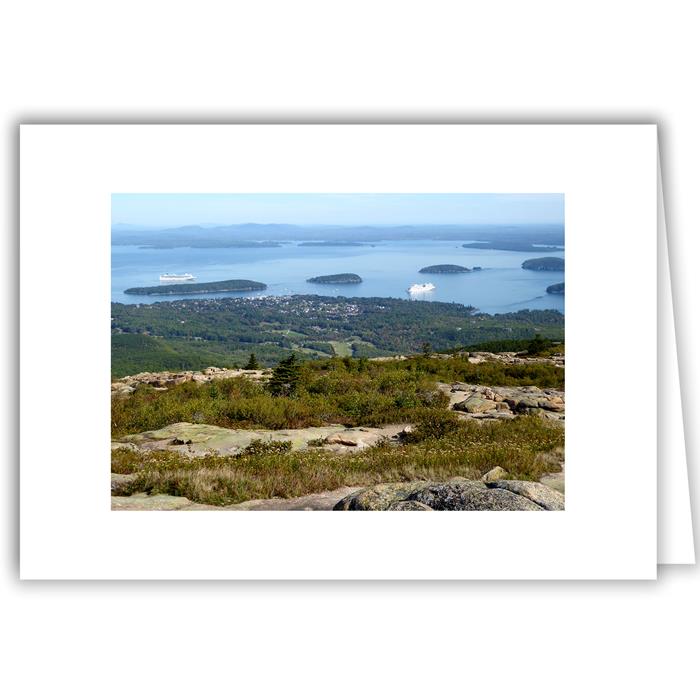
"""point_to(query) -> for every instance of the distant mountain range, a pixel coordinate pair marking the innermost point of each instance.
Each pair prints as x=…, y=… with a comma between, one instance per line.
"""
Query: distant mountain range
x=235, y=234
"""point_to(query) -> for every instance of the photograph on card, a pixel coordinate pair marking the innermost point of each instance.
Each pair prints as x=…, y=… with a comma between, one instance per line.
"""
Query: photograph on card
x=337, y=351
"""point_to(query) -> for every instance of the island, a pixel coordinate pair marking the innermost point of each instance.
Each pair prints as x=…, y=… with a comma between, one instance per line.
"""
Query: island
x=511, y=245
x=199, y=288
x=210, y=244
x=445, y=269
x=342, y=278
x=556, y=288
x=352, y=244
x=548, y=264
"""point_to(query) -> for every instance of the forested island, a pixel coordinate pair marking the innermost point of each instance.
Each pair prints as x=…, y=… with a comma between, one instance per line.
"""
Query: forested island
x=342, y=278
x=556, y=288
x=445, y=269
x=199, y=288
x=541, y=264
x=195, y=333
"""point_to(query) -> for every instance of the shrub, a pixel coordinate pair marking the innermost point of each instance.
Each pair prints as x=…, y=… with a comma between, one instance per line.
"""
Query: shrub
x=268, y=447
x=434, y=425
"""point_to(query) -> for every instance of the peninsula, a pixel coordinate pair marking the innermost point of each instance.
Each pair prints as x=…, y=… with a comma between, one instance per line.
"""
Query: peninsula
x=342, y=278
x=556, y=288
x=548, y=264
x=199, y=288
x=445, y=269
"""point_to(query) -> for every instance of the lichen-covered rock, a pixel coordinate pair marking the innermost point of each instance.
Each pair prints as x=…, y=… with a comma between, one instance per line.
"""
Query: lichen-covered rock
x=409, y=505
x=476, y=404
x=378, y=497
x=121, y=482
x=456, y=494
x=538, y=493
x=470, y=495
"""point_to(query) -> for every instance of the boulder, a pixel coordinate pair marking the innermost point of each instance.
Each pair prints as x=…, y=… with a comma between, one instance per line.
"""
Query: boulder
x=544, y=496
x=494, y=474
x=120, y=482
x=378, y=497
x=340, y=439
x=475, y=404
x=455, y=494
x=470, y=495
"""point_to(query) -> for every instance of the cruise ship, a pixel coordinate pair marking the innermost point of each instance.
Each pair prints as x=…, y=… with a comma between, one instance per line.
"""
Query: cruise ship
x=170, y=277
x=421, y=288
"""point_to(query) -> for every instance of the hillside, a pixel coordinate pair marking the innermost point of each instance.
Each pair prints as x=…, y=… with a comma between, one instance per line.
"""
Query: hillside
x=472, y=431
x=171, y=335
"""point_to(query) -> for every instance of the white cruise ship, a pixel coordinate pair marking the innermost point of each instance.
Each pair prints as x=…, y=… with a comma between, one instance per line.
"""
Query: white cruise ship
x=421, y=288
x=170, y=277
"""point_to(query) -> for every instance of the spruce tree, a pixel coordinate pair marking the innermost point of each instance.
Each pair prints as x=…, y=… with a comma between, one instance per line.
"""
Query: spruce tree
x=285, y=377
x=252, y=362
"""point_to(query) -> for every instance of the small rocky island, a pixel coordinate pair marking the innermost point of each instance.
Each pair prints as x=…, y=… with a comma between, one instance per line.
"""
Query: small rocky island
x=556, y=288
x=544, y=264
x=199, y=288
x=351, y=244
x=445, y=269
x=342, y=278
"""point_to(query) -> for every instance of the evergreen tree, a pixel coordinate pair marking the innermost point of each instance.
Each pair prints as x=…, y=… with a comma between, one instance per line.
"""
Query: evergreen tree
x=285, y=377
x=252, y=362
x=537, y=345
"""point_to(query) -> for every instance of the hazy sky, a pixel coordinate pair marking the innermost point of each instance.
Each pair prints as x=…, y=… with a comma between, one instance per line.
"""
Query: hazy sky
x=341, y=209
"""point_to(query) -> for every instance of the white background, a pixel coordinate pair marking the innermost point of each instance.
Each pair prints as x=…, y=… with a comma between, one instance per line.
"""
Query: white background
x=505, y=61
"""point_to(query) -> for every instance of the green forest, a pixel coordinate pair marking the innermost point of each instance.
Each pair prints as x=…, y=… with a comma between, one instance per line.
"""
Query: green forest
x=195, y=333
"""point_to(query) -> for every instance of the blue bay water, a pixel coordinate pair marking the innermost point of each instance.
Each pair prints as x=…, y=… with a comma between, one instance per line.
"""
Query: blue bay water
x=387, y=268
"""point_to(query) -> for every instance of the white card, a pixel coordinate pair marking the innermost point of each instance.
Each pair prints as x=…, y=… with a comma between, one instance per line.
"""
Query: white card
x=607, y=175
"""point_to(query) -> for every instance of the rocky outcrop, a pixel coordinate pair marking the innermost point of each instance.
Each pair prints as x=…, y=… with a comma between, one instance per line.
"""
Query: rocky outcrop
x=166, y=380
x=513, y=358
x=314, y=501
x=197, y=438
x=159, y=501
x=477, y=357
x=456, y=494
x=503, y=402
x=544, y=496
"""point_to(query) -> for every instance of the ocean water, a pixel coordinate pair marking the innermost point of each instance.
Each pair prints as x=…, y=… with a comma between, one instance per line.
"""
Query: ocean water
x=387, y=269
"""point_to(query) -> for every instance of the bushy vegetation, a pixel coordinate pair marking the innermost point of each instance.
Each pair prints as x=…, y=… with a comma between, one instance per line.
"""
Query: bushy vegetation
x=337, y=391
x=342, y=390
x=527, y=446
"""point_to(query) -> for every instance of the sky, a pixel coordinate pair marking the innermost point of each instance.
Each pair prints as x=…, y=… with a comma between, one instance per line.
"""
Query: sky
x=337, y=209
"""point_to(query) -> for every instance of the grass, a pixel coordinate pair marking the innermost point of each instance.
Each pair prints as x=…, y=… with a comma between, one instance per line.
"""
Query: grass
x=526, y=447
x=341, y=348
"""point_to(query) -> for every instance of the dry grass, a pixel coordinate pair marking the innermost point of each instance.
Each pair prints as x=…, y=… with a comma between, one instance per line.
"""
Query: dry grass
x=527, y=447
